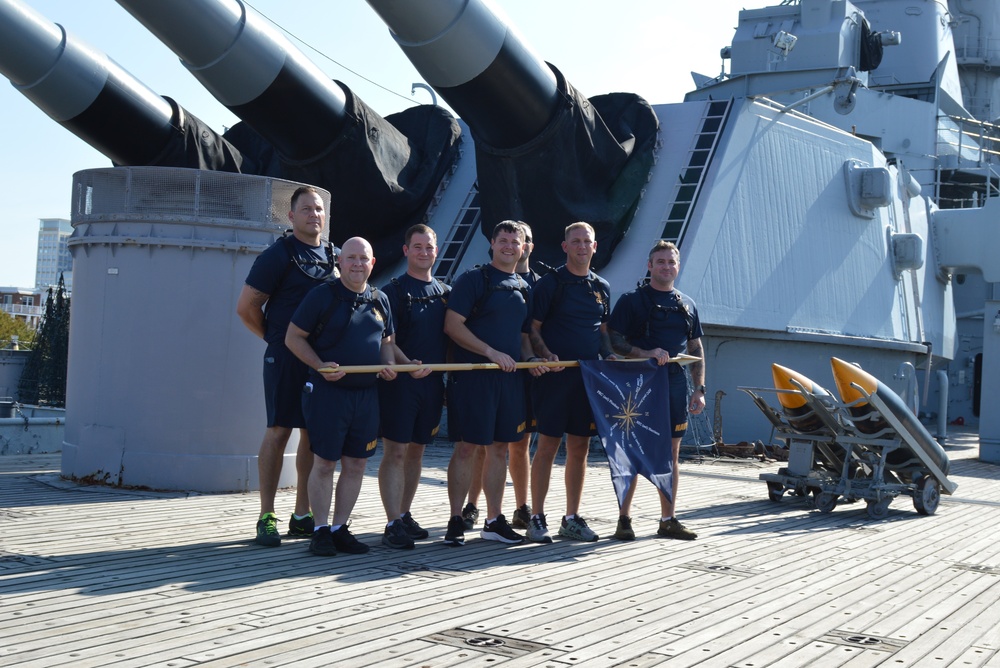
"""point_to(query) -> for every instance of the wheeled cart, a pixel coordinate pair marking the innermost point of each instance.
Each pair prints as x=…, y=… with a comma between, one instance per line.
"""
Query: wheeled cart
x=839, y=462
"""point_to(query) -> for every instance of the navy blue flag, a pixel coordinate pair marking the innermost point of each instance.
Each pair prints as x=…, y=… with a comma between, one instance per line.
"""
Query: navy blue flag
x=631, y=408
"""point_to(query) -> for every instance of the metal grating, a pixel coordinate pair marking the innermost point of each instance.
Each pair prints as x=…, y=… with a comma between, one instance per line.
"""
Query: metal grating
x=721, y=569
x=424, y=570
x=863, y=640
x=485, y=642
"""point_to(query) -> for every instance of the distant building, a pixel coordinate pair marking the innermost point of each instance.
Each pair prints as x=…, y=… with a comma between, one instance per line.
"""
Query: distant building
x=53, y=253
x=24, y=303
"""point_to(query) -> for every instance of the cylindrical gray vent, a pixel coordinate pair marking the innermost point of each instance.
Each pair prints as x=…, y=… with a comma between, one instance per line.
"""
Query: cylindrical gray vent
x=164, y=385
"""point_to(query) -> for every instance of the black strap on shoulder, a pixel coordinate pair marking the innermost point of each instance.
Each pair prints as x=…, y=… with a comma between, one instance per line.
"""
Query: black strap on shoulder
x=408, y=300
x=595, y=286
x=522, y=287
x=318, y=270
x=645, y=290
x=327, y=314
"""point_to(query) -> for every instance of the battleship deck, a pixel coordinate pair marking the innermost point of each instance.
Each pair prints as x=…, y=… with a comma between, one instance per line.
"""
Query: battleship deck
x=91, y=576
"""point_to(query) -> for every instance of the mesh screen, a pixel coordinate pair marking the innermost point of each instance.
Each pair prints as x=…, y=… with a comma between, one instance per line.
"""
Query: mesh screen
x=159, y=194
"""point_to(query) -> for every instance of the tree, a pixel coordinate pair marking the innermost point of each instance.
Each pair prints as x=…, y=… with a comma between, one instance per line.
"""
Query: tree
x=43, y=380
x=10, y=327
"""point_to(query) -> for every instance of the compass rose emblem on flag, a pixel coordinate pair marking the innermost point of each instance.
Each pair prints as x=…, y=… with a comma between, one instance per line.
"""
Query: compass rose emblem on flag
x=631, y=408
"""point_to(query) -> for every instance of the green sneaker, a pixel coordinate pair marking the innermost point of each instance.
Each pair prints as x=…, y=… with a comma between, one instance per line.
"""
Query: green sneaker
x=301, y=528
x=577, y=529
x=267, y=531
x=673, y=529
x=624, y=529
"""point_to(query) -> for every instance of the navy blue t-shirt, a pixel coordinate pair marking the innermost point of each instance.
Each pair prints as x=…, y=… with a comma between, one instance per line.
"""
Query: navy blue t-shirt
x=354, y=331
x=419, y=319
x=571, y=323
x=672, y=318
x=501, y=317
x=275, y=274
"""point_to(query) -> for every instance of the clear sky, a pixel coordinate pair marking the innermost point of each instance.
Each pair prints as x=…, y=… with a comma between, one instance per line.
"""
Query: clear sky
x=648, y=47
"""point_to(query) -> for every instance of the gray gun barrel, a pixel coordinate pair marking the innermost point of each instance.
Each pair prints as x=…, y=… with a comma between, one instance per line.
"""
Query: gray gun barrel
x=478, y=64
x=251, y=69
x=81, y=88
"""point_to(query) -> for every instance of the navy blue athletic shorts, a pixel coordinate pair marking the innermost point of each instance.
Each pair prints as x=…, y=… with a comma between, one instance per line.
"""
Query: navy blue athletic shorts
x=284, y=377
x=678, y=404
x=341, y=421
x=561, y=406
x=486, y=407
x=530, y=424
x=410, y=408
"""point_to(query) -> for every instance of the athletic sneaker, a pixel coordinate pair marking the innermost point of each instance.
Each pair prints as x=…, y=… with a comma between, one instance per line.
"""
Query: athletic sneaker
x=499, y=530
x=413, y=530
x=538, y=530
x=673, y=529
x=577, y=529
x=469, y=515
x=624, y=529
x=395, y=537
x=322, y=543
x=267, y=531
x=455, y=535
x=345, y=541
x=522, y=517
x=301, y=528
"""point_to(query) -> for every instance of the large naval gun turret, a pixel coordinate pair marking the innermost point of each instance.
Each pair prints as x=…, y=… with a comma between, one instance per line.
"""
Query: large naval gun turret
x=545, y=154
x=381, y=172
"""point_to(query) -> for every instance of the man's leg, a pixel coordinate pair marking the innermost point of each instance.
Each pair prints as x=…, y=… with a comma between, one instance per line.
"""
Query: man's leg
x=495, y=478
x=321, y=489
x=667, y=505
x=460, y=474
x=519, y=461
x=269, y=460
x=476, y=476
x=303, y=466
x=541, y=471
x=577, y=448
x=352, y=473
x=390, y=478
x=413, y=466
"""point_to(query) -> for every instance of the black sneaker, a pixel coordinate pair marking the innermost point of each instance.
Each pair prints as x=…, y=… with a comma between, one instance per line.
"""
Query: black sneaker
x=301, y=528
x=522, y=517
x=396, y=538
x=624, y=529
x=469, y=515
x=267, y=531
x=413, y=529
x=455, y=535
x=499, y=530
x=322, y=543
x=345, y=541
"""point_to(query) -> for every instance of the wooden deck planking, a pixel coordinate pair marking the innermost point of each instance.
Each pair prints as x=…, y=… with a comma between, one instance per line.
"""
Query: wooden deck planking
x=170, y=579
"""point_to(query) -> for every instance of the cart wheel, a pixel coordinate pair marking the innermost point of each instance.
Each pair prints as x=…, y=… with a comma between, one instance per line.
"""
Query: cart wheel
x=878, y=510
x=775, y=490
x=825, y=502
x=927, y=495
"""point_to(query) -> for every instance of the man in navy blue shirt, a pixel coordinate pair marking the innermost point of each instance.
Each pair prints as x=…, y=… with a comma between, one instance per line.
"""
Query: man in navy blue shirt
x=569, y=312
x=410, y=408
x=486, y=315
x=344, y=322
x=278, y=281
x=658, y=321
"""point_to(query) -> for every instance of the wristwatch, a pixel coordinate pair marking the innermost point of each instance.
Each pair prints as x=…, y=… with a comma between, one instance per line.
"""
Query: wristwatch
x=700, y=388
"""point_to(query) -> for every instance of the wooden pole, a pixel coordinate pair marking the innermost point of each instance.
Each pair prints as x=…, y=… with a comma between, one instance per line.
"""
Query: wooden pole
x=683, y=360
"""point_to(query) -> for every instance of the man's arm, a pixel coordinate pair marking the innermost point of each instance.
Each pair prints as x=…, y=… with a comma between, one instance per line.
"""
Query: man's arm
x=250, y=309
x=297, y=340
x=455, y=328
x=621, y=346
